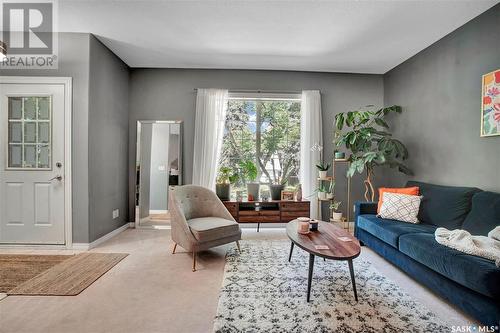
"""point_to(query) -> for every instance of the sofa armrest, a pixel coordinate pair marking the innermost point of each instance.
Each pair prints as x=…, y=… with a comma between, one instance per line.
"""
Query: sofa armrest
x=361, y=208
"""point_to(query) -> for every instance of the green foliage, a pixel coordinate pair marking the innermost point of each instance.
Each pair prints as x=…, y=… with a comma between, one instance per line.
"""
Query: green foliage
x=335, y=205
x=332, y=186
x=227, y=176
x=265, y=132
x=248, y=171
x=323, y=188
x=365, y=133
x=323, y=166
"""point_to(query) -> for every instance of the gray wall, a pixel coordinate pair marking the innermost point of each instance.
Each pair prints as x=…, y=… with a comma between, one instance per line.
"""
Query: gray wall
x=440, y=91
x=74, y=62
x=108, y=140
x=168, y=94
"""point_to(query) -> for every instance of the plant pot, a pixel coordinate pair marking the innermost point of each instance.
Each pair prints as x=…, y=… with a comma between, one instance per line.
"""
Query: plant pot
x=321, y=195
x=339, y=155
x=337, y=216
x=322, y=174
x=223, y=191
x=253, y=190
x=329, y=195
x=276, y=191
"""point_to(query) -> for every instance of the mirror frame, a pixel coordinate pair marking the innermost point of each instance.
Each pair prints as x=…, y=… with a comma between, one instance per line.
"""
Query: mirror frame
x=138, y=142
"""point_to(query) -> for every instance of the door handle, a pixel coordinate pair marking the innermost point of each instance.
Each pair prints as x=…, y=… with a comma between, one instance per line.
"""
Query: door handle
x=58, y=177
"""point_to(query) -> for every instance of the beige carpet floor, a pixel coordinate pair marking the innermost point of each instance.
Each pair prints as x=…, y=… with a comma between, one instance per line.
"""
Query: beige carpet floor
x=16, y=269
x=69, y=277
x=155, y=291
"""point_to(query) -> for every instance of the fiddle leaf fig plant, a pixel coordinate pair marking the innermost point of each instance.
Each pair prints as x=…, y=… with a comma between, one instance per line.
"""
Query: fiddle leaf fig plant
x=249, y=171
x=365, y=133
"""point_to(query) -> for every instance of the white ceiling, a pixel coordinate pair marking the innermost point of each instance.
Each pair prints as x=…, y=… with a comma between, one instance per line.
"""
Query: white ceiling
x=331, y=36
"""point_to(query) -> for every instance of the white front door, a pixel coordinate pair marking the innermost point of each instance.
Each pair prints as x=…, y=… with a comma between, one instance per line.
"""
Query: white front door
x=31, y=163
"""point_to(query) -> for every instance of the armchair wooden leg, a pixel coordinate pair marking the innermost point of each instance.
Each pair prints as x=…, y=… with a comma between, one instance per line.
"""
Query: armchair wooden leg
x=175, y=246
x=194, y=260
x=238, y=245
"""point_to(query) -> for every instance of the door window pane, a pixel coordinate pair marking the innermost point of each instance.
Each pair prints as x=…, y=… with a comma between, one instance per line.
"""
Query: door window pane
x=15, y=156
x=43, y=107
x=15, y=107
x=29, y=156
x=29, y=132
x=15, y=132
x=29, y=108
x=43, y=156
x=43, y=132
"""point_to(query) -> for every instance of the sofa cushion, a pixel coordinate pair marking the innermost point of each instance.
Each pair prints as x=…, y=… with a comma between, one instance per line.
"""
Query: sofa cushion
x=390, y=230
x=444, y=206
x=484, y=215
x=473, y=272
x=206, y=229
x=402, y=190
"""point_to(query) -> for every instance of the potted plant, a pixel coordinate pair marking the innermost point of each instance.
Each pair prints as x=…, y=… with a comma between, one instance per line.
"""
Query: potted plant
x=322, y=169
x=334, y=206
x=276, y=189
x=365, y=134
x=329, y=194
x=223, y=186
x=322, y=192
x=339, y=155
x=249, y=174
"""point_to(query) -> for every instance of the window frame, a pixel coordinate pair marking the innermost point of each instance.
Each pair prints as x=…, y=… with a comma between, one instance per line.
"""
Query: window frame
x=263, y=96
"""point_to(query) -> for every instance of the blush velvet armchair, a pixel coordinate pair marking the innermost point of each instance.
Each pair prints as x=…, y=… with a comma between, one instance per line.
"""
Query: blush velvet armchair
x=200, y=220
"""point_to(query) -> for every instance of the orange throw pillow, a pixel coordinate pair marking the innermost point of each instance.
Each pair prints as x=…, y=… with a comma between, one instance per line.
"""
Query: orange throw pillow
x=403, y=190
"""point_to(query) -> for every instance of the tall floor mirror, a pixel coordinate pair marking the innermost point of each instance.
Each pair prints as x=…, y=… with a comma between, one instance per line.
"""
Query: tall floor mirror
x=158, y=166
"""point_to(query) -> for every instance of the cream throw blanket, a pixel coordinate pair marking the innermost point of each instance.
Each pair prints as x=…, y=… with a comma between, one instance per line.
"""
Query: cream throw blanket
x=463, y=241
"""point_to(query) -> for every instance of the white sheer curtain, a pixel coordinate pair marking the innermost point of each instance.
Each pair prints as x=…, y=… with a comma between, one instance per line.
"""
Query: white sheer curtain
x=211, y=106
x=311, y=144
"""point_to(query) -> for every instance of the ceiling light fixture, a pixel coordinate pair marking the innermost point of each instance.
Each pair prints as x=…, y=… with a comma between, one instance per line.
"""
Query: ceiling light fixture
x=3, y=51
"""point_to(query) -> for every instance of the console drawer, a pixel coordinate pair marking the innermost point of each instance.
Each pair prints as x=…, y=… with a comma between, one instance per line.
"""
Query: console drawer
x=295, y=206
x=259, y=219
x=295, y=214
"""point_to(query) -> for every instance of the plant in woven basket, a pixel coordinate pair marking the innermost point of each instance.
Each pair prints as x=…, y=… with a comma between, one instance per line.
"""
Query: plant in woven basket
x=365, y=133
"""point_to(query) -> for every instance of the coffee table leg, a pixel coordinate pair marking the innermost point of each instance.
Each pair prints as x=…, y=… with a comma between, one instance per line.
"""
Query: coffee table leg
x=291, y=250
x=351, y=269
x=309, y=278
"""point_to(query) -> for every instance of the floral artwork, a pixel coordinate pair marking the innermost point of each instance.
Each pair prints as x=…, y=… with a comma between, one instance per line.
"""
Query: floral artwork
x=490, y=105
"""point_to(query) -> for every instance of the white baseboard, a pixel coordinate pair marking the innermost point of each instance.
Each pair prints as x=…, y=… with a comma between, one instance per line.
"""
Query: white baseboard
x=108, y=236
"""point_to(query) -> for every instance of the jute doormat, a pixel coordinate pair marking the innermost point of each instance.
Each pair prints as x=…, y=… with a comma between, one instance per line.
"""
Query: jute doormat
x=71, y=276
x=15, y=269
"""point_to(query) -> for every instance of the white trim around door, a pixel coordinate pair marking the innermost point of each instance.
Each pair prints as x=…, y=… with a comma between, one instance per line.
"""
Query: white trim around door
x=68, y=104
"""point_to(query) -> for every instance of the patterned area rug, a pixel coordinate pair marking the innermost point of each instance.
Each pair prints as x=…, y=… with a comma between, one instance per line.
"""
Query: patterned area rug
x=263, y=292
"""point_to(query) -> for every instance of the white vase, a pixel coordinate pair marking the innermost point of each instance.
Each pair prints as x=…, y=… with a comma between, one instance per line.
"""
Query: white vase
x=329, y=195
x=321, y=195
x=322, y=174
x=337, y=216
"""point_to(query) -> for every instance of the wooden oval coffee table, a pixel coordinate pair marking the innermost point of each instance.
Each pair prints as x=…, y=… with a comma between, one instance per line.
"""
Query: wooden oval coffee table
x=326, y=235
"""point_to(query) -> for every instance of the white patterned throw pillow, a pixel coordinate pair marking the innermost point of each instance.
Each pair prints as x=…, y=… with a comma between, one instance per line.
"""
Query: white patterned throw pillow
x=401, y=207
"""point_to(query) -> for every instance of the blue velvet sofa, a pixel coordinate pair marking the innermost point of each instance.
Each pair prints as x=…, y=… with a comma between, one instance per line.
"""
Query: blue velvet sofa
x=472, y=283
